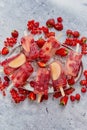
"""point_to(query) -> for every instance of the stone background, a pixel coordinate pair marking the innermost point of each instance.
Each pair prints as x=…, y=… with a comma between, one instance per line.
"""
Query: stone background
x=14, y=14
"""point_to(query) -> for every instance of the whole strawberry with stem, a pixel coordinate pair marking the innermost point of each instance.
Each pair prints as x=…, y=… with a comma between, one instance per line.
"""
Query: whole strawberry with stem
x=62, y=52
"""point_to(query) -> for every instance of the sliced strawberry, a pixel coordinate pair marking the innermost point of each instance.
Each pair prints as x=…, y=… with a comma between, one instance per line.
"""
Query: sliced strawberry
x=5, y=51
x=62, y=52
x=41, y=64
x=64, y=100
x=57, y=94
x=32, y=96
x=69, y=91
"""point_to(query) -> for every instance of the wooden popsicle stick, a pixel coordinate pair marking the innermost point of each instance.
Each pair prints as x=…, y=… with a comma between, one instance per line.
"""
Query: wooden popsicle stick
x=59, y=36
x=77, y=48
x=39, y=97
x=62, y=91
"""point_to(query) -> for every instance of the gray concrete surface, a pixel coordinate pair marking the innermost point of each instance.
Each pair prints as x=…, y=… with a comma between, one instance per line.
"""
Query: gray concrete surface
x=14, y=14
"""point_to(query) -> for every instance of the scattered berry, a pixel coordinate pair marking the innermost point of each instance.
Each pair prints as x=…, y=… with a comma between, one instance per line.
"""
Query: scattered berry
x=5, y=51
x=72, y=98
x=64, y=100
x=59, y=19
x=59, y=26
x=40, y=42
x=69, y=33
x=77, y=96
x=83, y=90
x=76, y=34
x=83, y=82
x=85, y=73
x=15, y=34
x=32, y=96
x=50, y=23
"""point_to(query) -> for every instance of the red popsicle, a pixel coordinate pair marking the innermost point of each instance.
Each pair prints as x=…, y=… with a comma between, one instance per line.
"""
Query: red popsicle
x=58, y=76
x=49, y=49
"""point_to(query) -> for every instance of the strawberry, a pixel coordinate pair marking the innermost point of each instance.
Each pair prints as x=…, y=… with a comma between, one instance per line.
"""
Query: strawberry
x=59, y=26
x=77, y=96
x=32, y=96
x=83, y=40
x=40, y=42
x=83, y=90
x=41, y=64
x=69, y=91
x=50, y=23
x=57, y=94
x=83, y=82
x=71, y=81
x=64, y=100
x=69, y=33
x=72, y=98
x=5, y=51
x=62, y=52
x=14, y=33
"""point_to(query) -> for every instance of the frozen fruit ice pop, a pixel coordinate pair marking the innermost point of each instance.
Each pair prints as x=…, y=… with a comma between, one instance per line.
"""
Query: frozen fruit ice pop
x=48, y=49
x=6, y=68
x=30, y=48
x=42, y=82
x=58, y=76
x=20, y=76
x=73, y=63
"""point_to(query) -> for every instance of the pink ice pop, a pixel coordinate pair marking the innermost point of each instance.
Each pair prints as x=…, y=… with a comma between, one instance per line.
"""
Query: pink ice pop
x=73, y=63
x=11, y=64
x=49, y=49
x=42, y=82
x=20, y=76
x=30, y=48
x=58, y=76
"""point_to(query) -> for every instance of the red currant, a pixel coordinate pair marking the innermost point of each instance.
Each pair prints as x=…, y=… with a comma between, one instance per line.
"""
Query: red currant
x=83, y=90
x=83, y=82
x=59, y=19
x=59, y=26
x=77, y=96
x=72, y=98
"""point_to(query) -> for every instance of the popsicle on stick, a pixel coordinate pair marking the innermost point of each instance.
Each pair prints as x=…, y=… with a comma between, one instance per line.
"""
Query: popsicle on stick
x=30, y=48
x=20, y=76
x=49, y=49
x=73, y=62
x=11, y=64
x=42, y=83
x=58, y=76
